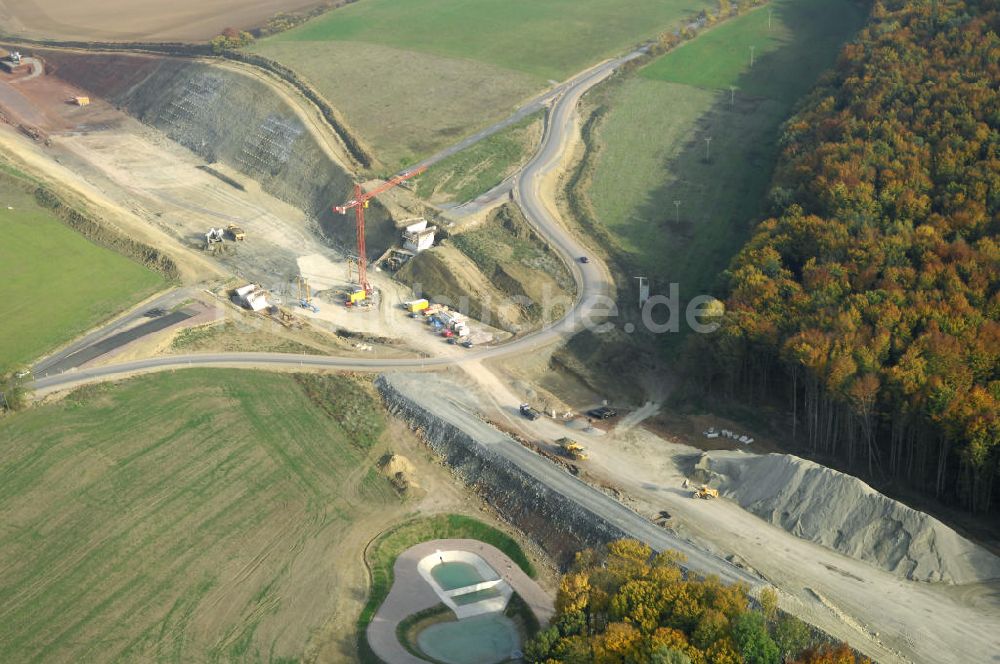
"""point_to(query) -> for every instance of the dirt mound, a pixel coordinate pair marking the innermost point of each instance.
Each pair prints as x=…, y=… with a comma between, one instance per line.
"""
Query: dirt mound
x=845, y=514
x=400, y=472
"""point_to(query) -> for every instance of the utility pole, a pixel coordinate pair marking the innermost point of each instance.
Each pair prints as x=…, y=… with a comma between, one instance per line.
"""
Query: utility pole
x=677, y=212
x=751, y=55
x=769, y=12
x=732, y=97
x=708, y=143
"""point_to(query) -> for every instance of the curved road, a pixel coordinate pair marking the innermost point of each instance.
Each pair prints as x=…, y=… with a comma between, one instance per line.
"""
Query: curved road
x=593, y=279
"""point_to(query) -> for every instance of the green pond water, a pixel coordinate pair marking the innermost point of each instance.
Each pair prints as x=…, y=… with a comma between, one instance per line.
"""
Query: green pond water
x=471, y=598
x=484, y=639
x=456, y=574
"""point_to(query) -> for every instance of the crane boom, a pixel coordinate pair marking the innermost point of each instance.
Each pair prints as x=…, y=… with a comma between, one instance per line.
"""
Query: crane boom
x=359, y=203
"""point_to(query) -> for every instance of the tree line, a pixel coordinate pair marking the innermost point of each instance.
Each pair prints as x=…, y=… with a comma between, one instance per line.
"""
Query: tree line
x=868, y=304
x=625, y=605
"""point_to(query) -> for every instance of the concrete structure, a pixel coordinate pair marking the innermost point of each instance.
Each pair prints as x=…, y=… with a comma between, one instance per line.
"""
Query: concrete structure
x=252, y=297
x=491, y=581
x=418, y=236
x=411, y=593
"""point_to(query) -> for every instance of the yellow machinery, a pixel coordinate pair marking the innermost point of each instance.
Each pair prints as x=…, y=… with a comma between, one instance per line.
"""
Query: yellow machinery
x=357, y=296
x=236, y=232
x=572, y=449
x=414, y=306
x=705, y=492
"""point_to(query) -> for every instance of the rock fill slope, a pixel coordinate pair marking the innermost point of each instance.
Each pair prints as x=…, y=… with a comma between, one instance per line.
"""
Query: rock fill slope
x=843, y=513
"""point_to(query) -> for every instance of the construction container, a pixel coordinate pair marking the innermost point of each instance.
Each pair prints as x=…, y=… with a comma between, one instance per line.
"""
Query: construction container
x=81, y=101
x=413, y=306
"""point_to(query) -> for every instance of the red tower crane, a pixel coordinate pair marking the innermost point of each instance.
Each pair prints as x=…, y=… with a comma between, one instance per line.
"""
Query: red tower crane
x=359, y=203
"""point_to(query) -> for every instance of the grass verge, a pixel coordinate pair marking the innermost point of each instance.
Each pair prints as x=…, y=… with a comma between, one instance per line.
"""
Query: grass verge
x=474, y=171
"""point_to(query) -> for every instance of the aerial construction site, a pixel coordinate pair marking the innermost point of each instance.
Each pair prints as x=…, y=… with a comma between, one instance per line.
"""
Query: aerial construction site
x=353, y=332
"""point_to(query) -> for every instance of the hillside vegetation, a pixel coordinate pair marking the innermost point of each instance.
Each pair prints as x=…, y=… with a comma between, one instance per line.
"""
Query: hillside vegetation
x=869, y=304
x=651, y=131
x=629, y=606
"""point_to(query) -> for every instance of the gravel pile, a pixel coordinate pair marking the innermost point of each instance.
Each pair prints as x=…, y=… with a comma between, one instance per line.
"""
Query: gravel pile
x=845, y=514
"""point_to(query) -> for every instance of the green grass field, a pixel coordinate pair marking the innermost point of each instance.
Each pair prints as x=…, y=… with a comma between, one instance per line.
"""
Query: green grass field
x=551, y=39
x=651, y=148
x=792, y=40
x=414, y=77
x=474, y=171
x=195, y=516
x=56, y=283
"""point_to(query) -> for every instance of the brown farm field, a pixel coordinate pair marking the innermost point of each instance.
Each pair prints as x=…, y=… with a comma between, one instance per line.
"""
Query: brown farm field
x=137, y=20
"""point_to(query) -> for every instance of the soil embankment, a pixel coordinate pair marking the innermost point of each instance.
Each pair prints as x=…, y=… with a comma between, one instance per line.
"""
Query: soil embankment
x=843, y=513
x=499, y=272
x=223, y=115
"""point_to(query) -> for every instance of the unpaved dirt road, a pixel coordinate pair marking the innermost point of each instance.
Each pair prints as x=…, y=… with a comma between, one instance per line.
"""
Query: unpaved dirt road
x=887, y=617
x=852, y=600
x=594, y=283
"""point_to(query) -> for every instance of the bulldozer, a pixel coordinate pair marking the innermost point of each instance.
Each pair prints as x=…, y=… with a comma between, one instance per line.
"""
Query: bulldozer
x=706, y=492
x=572, y=449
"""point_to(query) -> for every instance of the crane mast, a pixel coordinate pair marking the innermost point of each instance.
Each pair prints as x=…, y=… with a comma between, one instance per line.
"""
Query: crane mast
x=359, y=203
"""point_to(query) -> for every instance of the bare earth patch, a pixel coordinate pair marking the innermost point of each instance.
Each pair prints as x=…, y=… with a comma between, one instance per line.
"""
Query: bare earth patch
x=136, y=20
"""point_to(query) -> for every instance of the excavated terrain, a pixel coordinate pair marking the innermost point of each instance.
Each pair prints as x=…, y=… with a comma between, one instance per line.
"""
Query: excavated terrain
x=226, y=116
x=843, y=513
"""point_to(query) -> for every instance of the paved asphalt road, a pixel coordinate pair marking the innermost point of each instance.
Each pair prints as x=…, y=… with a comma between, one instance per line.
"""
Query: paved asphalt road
x=536, y=104
x=159, y=320
x=61, y=359
x=593, y=279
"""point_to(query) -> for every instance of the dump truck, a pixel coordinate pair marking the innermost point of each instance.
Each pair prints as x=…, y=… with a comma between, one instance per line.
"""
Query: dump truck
x=572, y=449
x=705, y=492
x=236, y=232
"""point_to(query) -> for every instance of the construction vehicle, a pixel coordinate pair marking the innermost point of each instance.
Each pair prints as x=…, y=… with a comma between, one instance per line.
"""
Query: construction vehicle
x=359, y=203
x=236, y=232
x=705, y=492
x=528, y=411
x=356, y=297
x=304, y=294
x=602, y=413
x=572, y=449
x=415, y=306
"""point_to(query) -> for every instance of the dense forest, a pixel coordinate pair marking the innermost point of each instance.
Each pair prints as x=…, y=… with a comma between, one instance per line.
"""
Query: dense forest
x=625, y=605
x=869, y=303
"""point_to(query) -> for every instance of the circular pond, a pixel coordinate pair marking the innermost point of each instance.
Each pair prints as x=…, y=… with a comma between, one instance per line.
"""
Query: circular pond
x=484, y=639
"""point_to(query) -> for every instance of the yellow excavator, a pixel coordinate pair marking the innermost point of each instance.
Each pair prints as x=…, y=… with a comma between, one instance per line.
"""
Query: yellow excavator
x=706, y=492
x=572, y=449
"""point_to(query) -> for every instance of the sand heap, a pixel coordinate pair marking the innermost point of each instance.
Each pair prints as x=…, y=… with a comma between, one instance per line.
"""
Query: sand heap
x=845, y=514
x=400, y=472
